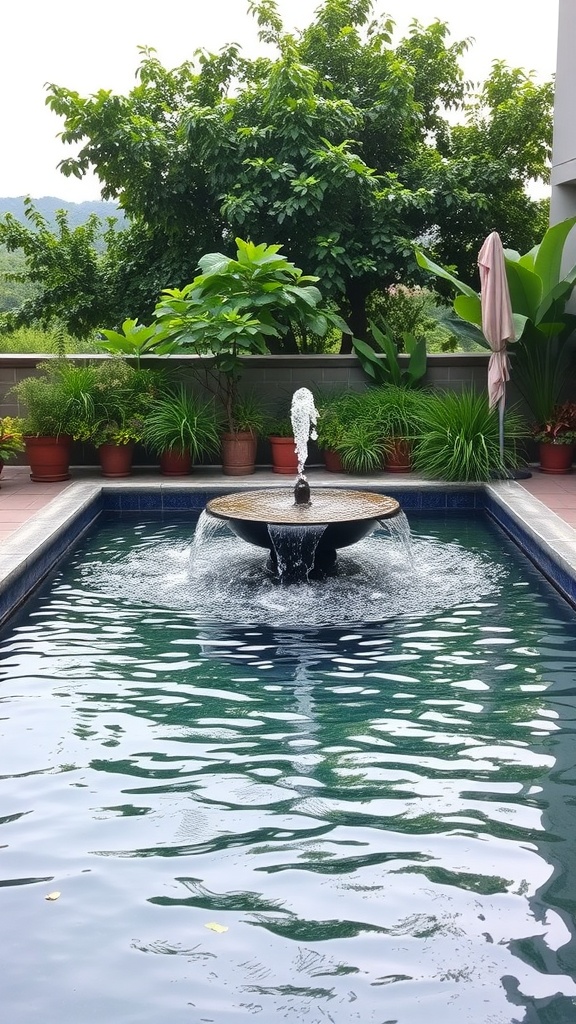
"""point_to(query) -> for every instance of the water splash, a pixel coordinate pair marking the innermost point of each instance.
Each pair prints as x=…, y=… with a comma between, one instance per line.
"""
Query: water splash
x=304, y=416
x=398, y=529
x=295, y=550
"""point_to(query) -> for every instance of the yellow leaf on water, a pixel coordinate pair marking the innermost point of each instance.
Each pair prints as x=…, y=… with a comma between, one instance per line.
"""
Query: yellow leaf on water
x=214, y=927
x=52, y=896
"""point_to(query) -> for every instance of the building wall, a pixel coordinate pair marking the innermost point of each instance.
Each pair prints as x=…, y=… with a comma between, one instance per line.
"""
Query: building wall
x=563, y=177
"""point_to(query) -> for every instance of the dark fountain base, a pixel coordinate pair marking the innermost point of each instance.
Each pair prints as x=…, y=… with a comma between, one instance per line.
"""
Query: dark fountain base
x=302, y=537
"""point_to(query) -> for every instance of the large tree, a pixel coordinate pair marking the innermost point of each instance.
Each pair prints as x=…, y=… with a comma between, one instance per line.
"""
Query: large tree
x=341, y=147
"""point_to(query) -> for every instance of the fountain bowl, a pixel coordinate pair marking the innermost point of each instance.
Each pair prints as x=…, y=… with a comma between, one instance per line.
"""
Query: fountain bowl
x=337, y=518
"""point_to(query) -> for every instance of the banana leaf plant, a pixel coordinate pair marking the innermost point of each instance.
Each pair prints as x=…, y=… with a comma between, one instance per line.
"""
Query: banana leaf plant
x=543, y=351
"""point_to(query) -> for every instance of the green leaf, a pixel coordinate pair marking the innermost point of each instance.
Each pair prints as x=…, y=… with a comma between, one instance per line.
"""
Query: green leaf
x=548, y=261
x=439, y=271
x=525, y=289
x=469, y=308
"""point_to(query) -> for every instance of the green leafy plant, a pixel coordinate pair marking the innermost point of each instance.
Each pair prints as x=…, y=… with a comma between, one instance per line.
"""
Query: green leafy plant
x=11, y=440
x=120, y=399
x=459, y=438
x=135, y=340
x=278, y=426
x=396, y=409
x=234, y=307
x=539, y=295
x=178, y=420
x=381, y=363
x=346, y=425
x=56, y=400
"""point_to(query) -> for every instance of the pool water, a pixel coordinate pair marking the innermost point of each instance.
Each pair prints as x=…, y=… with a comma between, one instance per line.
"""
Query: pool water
x=278, y=811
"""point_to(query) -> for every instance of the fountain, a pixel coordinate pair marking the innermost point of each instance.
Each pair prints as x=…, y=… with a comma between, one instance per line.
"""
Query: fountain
x=301, y=533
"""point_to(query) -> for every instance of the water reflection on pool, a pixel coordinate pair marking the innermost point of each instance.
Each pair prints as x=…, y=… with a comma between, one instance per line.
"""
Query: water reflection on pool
x=357, y=821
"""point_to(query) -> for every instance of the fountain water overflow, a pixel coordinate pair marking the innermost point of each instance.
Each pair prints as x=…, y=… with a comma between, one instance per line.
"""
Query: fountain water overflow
x=302, y=533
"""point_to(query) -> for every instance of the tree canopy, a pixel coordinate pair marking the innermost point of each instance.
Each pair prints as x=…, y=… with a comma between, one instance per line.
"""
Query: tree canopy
x=341, y=147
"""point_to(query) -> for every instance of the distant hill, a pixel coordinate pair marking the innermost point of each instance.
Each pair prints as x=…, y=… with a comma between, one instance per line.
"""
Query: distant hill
x=78, y=213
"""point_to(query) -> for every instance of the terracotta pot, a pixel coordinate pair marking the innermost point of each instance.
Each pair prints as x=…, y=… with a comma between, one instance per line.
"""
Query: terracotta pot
x=398, y=456
x=238, y=453
x=49, y=458
x=556, y=458
x=116, y=459
x=284, y=458
x=175, y=463
x=333, y=462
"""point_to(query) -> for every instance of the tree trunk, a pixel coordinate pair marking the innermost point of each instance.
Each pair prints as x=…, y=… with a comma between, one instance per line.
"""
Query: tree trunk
x=356, y=294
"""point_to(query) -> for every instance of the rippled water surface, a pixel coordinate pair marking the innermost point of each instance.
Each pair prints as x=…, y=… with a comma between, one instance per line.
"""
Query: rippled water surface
x=348, y=802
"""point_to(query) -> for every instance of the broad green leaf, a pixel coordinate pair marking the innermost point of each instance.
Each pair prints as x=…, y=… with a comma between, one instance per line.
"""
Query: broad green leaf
x=528, y=259
x=469, y=308
x=439, y=271
x=561, y=293
x=525, y=289
x=548, y=260
x=417, y=361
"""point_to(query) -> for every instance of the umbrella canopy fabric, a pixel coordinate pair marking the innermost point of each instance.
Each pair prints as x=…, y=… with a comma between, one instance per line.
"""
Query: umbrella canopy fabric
x=497, y=320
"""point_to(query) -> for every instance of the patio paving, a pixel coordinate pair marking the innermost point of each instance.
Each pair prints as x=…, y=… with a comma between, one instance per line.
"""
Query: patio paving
x=21, y=498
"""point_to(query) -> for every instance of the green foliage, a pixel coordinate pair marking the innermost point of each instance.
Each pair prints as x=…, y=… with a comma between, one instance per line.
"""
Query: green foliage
x=249, y=416
x=539, y=295
x=11, y=441
x=396, y=409
x=178, y=420
x=384, y=367
x=278, y=426
x=234, y=307
x=346, y=425
x=56, y=399
x=412, y=310
x=38, y=341
x=459, y=438
x=337, y=145
x=135, y=340
x=70, y=276
x=122, y=397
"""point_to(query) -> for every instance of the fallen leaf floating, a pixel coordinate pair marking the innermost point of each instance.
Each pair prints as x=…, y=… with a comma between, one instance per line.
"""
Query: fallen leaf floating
x=52, y=896
x=212, y=925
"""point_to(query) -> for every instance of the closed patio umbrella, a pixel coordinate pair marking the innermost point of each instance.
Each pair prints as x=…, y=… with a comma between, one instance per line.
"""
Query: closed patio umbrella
x=497, y=322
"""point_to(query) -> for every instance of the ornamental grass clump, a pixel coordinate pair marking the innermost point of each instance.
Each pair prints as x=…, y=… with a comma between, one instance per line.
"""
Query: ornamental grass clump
x=459, y=438
x=179, y=421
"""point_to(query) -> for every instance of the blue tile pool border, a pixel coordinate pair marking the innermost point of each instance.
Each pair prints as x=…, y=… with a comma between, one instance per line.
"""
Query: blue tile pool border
x=34, y=550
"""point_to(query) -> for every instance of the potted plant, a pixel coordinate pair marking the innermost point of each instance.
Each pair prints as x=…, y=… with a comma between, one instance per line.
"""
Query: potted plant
x=54, y=400
x=238, y=446
x=11, y=440
x=113, y=420
x=230, y=312
x=180, y=428
x=556, y=439
x=397, y=410
x=282, y=446
x=458, y=437
x=348, y=434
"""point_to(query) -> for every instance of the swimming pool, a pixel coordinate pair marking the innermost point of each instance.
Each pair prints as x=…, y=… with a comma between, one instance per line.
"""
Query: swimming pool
x=331, y=821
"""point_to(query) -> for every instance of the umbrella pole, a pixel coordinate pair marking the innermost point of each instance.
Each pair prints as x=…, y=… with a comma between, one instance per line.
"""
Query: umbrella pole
x=501, y=405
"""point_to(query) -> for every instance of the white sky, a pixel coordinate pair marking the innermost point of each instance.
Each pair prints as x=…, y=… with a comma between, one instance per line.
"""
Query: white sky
x=91, y=46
